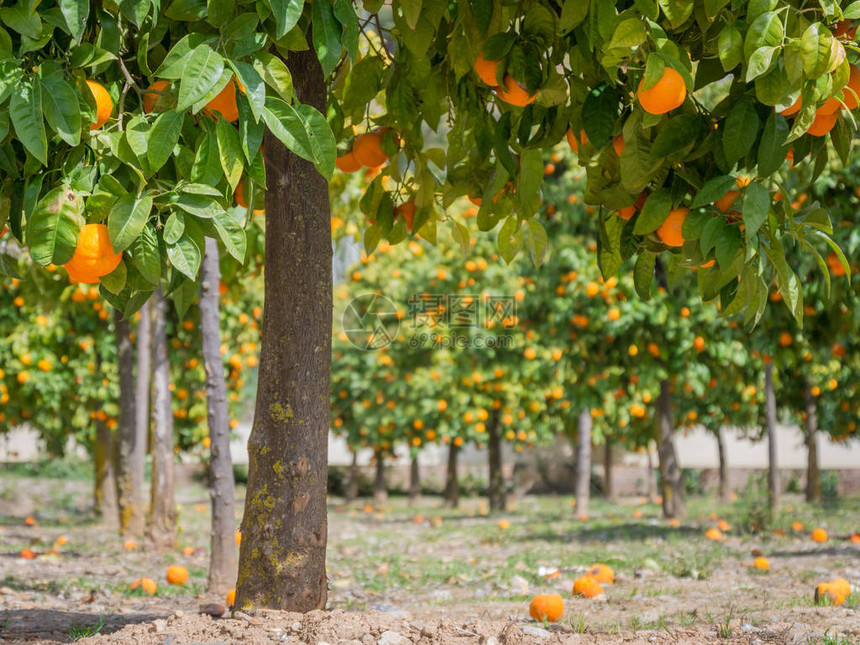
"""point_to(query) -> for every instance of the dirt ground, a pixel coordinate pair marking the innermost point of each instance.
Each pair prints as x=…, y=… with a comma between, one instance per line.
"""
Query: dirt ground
x=423, y=575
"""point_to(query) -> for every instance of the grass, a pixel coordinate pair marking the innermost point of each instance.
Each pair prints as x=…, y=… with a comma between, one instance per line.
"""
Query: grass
x=77, y=632
x=830, y=639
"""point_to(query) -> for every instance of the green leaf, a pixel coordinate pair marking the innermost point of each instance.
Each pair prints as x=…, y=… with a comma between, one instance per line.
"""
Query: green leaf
x=344, y=12
x=730, y=46
x=75, y=13
x=711, y=233
x=174, y=227
x=599, y=113
x=116, y=279
x=199, y=205
x=163, y=138
x=677, y=11
x=230, y=151
x=276, y=75
x=760, y=62
x=483, y=12
x=218, y=12
x=713, y=190
x=20, y=18
x=202, y=71
x=756, y=206
x=654, y=212
x=255, y=88
x=815, y=50
x=25, y=109
x=765, y=31
x=538, y=241
x=773, y=147
x=573, y=12
x=304, y=131
x=510, y=239
x=61, y=108
x=135, y=11
x=678, y=133
x=187, y=10
x=326, y=35
x=286, y=14
x=207, y=161
x=54, y=226
x=609, y=256
x=145, y=254
x=232, y=235
x=127, y=219
x=629, y=33
x=643, y=274
x=185, y=256
x=728, y=245
x=740, y=132
x=174, y=65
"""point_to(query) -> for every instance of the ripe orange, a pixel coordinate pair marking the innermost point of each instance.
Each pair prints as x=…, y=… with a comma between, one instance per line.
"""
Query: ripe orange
x=407, y=211
x=603, y=573
x=665, y=95
x=28, y=554
x=348, y=163
x=515, y=94
x=129, y=545
x=23, y=377
x=176, y=574
x=368, y=150
x=572, y=141
x=844, y=30
x=231, y=598
x=699, y=344
x=637, y=410
x=151, y=97
x=851, y=92
x=148, y=585
x=794, y=108
x=239, y=194
x=830, y=593
x=822, y=124
x=785, y=339
x=94, y=256
x=618, y=144
x=224, y=103
x=629, y=211
x=819, y=535
x=238, y=537
x=104, y=104
x=714, y=534
x=547, y=607
x=486, y=69
x=670, y=230
x=587, y=587
x=761, y=563
x=725, y=202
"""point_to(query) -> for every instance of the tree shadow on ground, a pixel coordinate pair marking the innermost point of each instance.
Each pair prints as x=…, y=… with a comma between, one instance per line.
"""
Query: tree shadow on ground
x=830, y=552
x=628, y=532
x=51, y=625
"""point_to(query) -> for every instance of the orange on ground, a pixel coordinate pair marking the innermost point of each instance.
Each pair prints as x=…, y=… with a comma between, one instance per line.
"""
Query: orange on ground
x=486, y=70
x=148, y=585
x=714, y=534
x=28, y=554
x=819, y=535
x=104, y=104
x=151, y=95
x=224, y=103
x=587, y=587
x=176, y=574
x=761, y=563
x=504, y=525
x=94, y=256
x=348, y=163
x=665, y=95
x=547, y=607
x=670, y=230
x=603, y=573
x=129, y=545
x=367, y=149
x=515, y=94
x=231, y=598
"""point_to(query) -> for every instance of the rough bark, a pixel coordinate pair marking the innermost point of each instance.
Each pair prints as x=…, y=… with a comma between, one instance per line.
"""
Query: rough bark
x=129, y=449
x=670, y=471
x=650, y=480
x=351, y=488
x=223, y=557
x=724, y=474
x=496, y=488
x=104, y=494
x=608, y=488
x=162, y=518
x=143, y=394
x=813, y=471
x=770, y=428
x=414, y=481
x=282, y=557
x=582, y=486
x=380, y=489
x=452, y=481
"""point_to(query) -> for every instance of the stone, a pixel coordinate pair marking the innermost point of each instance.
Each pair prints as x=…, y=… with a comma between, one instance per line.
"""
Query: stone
x=393, y=638
x=538, y=632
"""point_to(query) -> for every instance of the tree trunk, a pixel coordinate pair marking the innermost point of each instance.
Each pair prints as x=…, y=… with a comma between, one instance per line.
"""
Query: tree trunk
x=351, y=488
x=380, y=490
x=104, y=498
x=129, y=449
x=414, y=482
x=724, y=474
x=670, y=471
x=770, y=426
x=223, y=561
x=813, y=472
x=496, y=489
x=162, y=520
x=607, y=470
x=143, y=393
x=650, y=482
x=583, y=461
x=452, y=481
x=282, y=559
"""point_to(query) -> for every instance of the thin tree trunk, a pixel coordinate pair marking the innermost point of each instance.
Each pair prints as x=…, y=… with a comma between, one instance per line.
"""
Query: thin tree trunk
x=670, y=471
x=770, y=426
x=162, y=520
x=607, y=470
x=223, y=557
x=584, y=424
x=282, y=558
x=452, y=481
x=414, y=481
x=142, y=423
x=724, y=474
x=496, y=489
x=129, y=451
x=105, y=482
x=650, y=481
x=351, y=489
x=380, y=490
x=813, y=472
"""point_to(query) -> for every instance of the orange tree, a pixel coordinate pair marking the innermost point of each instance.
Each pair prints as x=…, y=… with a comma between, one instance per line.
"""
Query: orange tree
x=78, y=152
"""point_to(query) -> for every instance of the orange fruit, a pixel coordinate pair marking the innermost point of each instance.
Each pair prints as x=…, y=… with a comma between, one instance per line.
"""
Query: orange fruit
x=794, y=108
x=822, y=124
x=28, y=554
x=368, y=150
x=188, y=550
x=670, y=230
x=725, y=202
x=852, y=90
x=176, y=574
x=844, y=30
x=148, y=585
x=572, y=142
x=104, y=104
x=547, y=607
x=819, y=535
x=618, y=144
x=699, y=345
x=761, y=563
x=151, y=98
x=94, y=256
x=231, y=597
x=407, y=211
x=603, y=573
x=504, y=525
x=668, y=93
x=714, y=534
x=486, y=70
x=855, y=539
x=629, y=211
x=224, y=103
x=785, y=339
x=238, y=537
x=129, y=545
x=828, y=593
x=515, y=94
x=796, y=526
x=239, y=194
x=348, y=163
x=587, y=587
